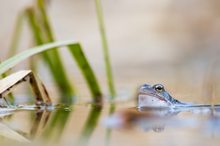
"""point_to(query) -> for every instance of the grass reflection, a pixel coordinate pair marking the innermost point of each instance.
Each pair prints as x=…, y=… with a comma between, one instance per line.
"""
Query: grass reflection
x=108, y=130
x=10, y=134
x=39, y=123
x=56, y=125
x=90, y=124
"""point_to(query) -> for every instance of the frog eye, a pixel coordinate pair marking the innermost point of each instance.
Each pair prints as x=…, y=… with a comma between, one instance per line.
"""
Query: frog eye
x=159, y=87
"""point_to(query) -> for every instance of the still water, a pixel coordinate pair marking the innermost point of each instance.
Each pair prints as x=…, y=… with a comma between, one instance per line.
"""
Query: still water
x=112, y=124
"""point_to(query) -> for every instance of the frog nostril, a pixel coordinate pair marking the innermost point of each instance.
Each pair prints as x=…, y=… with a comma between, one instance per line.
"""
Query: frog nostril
x=145, y=85
x=144, y=88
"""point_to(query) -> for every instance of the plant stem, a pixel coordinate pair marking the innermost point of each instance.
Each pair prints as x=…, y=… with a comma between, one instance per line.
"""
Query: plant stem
x=16, y=35
x=105, y=48
x=14, y=45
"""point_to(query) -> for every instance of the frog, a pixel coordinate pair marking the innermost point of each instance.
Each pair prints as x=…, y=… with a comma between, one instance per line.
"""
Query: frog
x=157, y=96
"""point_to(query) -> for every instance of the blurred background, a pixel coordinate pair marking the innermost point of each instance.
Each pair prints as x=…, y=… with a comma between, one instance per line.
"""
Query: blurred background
x=172, y=42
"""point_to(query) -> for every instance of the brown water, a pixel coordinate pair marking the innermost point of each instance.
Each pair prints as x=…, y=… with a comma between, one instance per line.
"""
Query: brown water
x=91, y=125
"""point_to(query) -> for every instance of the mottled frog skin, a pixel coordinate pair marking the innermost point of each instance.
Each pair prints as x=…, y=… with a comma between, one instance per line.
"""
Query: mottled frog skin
x=156, y=96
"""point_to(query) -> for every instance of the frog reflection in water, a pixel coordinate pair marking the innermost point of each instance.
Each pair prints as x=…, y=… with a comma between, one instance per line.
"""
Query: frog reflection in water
x=156, y=108
x=152, y=112
x=147, y=119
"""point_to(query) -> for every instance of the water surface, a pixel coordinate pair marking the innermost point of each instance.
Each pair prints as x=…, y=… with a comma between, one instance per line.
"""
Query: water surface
x=119, y=124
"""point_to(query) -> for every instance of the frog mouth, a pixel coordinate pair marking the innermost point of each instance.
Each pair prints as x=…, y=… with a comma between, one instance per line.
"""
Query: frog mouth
x=152, y=100
x=151, y=95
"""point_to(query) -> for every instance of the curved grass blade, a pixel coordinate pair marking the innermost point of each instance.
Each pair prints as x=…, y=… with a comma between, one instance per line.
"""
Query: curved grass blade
x=77, y=53
x=11, y=62
x=87, y=72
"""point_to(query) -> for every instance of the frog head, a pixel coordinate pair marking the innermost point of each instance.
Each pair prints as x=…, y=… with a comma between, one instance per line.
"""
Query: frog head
x=155, y=96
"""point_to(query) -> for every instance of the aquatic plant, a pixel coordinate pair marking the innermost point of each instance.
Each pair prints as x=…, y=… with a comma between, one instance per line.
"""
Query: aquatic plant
x=75, y=49
x=105, y=47
x=42, y=33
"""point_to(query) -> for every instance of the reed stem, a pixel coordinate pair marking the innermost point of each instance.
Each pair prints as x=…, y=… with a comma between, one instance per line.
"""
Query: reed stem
x=109, y=75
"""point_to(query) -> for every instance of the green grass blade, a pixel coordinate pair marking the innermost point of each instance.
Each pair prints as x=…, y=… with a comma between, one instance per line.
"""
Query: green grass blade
x=14, y=45
x=45, y=20
x=87, y=72
x=16, y=35
x=34, y=26
x=47, y=32
x=11, y=62
x=76, y=52
x=105, y=48
x=52, y=58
